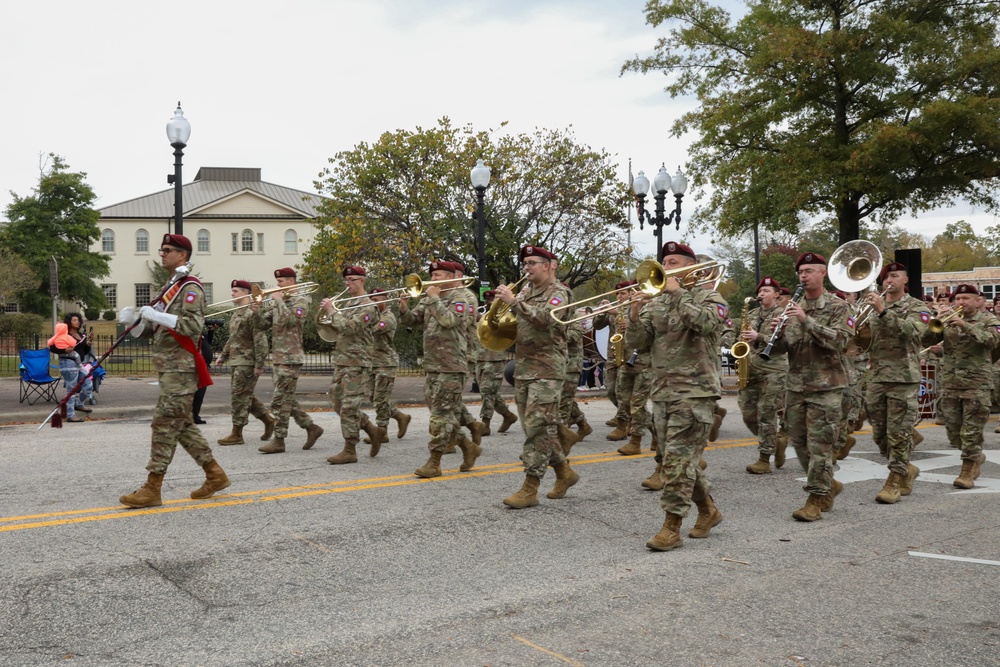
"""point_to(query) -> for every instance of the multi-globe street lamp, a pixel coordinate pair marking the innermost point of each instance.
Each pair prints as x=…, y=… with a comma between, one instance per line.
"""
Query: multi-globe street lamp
x=178, y=132
x=662, y=184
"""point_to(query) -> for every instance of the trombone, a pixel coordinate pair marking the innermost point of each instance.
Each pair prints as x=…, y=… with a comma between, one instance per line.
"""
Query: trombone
x=259, y=296
x=651, y=279
x=412, y=288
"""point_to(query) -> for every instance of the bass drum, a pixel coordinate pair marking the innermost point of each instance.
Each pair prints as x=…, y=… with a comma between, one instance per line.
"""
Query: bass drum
x=508, y=372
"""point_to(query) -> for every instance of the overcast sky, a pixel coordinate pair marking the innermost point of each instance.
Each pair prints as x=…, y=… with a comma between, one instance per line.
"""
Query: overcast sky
x=284, y=86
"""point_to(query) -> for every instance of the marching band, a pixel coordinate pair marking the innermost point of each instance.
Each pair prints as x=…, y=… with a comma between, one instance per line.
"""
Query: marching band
x=811, y=367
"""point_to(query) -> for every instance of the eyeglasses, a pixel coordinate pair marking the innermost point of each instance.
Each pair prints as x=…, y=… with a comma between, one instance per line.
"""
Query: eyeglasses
x=167, y=251
x=353, y=280
x=535, y=263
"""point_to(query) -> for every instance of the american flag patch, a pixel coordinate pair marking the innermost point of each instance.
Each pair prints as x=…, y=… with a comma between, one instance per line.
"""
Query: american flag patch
x=850, y=322
x=381, y=325
x=555, y=301
x=190, y=297
x=299, y=312
x=723, y=311
x=459, y=307
x=925, y=317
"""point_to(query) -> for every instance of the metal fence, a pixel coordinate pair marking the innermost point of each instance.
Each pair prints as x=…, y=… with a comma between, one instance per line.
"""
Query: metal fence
x=133, y=357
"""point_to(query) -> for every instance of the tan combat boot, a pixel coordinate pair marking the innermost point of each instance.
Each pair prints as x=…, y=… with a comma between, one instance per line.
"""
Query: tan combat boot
x=849, y=443
x=811, y=511
x=476, y=431
x=655, y=443
x=713, y=433
x=890, y=492
x=826, y=502
x=470, y=452
x=526, y=496
x=859, y=423
x=349, y=454
x=402, y=423
x=148, y=495
x=583, y=429
x=702, y=464
x=269, y=423
x=654, y=482
x=780, y=444
x=215, y=480
x=565, y=478
x=486, y=427
x=508, y=421
x=276, y=446
x=906, y=482
x=313, y=431
x=709, y=515
x=567, y=438
x=669, y=536
x=970, y=472
x=234, y=438
x=430, y=469
x=916, y=437
x=633, y=448
x=376, y=436
x=612, y=422
x=620, y=431
x=762, y=466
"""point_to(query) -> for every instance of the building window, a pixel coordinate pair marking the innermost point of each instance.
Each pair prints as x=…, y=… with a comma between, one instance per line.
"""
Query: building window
x=141, y=242
x=928, y=291
x=246, y=241
x=990, y=291
x=260, y=243
x=107, y=241
x=291, y=242
x=204, y=245
x=236, y=242
x=207, y=288
x=11, y=308
x=111, y=294
x=143, y=294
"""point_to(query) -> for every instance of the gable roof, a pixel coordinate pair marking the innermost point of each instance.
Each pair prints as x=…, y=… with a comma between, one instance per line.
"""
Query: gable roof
x=212, y=185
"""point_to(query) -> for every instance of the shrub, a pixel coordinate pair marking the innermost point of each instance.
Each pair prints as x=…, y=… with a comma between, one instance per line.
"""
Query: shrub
x=22, y=324
x=110, y=315
x=91, y=313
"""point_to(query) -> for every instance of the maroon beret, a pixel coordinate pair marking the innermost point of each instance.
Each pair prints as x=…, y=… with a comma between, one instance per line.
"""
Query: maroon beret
x=891, y=266
x=535, y=251
x=928, y=298
x=964, y=289
x=286, y=272
x=673, y=248
x=242, y=284
x=441, y=265
x=944, y=295
x=623, y=284
x=176, y=241
x=768, y=281
x=377, y=290
x=840, y=295
x=353, y=271
x=489, y=294
x=458, y=266
x=810, y=258
x=786, y=291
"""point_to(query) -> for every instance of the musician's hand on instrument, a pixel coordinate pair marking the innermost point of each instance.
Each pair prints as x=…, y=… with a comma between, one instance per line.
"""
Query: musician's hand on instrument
x=505, y=294
x=671, y=285
x=876, y=301
x=151, y=314
x=749, y=335
x=326, y=305
x=433, y=291
x=937, y=349
x=793, y=309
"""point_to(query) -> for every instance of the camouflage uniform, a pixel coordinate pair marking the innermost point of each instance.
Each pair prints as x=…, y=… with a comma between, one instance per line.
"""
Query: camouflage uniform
x=540, y=372
x=489, y=375
x=569, y=411
x=385, y=362
x=444, y=319
x=965, y=373
x=246, y=352
x=286, y=319
x=172, y=418
x=817, y=376
x=617, y=323
x=355, y=331
x=465, y=417
x=891, y=396
x=634, y=383
x=765, y=390
x=856, y=364
x=681, y=330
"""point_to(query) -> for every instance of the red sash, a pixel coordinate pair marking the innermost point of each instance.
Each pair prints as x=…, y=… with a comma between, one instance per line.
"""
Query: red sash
x=204, y=376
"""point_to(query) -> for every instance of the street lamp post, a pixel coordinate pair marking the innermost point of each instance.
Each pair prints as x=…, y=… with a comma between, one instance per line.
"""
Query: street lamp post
x=662, y=184
x=480, y=176
x=178, y=132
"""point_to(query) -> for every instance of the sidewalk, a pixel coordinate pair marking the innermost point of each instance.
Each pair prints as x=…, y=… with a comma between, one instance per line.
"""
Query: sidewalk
x=122, y=397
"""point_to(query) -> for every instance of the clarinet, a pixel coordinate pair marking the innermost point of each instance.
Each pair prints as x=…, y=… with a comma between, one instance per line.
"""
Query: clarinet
x=765, y=354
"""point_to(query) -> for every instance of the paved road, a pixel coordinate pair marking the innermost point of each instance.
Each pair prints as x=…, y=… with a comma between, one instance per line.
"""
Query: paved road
x=303, y=563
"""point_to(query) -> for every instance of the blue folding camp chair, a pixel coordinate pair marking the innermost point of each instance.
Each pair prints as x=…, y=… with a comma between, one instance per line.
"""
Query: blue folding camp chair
x=36, y=382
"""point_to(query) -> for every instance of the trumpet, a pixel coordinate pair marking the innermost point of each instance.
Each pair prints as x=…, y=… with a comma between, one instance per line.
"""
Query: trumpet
x=259, y=296
x=936, y=325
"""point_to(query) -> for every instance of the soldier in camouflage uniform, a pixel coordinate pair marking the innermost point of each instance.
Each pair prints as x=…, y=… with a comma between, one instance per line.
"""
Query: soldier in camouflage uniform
x=634, y=384
x=477, y=429
x=354, y=330
x=569, y=411
x=763, y=399
x=385, y=362
x=856, y=364
x=286, y=319
x=443, y=313
x=245, y=351
x=898, y=324
x=964, y=374
x=489, y=376
x=681, y=328
x=815, y=336
x=540, y=372
x=617, y=322
x=176, y=323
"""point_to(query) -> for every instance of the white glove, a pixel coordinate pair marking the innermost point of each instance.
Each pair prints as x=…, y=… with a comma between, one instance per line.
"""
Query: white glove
x=151, y=314
x=127, y=316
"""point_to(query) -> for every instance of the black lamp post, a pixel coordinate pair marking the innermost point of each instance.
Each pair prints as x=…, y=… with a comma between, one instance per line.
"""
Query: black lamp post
x=178, y=132
x=480, y=176
x=662, y=184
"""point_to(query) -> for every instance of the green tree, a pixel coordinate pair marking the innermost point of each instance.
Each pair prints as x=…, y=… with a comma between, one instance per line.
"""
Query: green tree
x=396, y=203
x=15, y=276
x=57, y=220
x=837, y=110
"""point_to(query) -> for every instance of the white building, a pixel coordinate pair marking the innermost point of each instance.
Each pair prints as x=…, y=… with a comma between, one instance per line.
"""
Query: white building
x=240, y=227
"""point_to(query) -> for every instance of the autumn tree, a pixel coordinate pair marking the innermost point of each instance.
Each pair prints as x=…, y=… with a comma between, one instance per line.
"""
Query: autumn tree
x=15, y=276
x=833, y=110
x=57, y=220
x=394, y=204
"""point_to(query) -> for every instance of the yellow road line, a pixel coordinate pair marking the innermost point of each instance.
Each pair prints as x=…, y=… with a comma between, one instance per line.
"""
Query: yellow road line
x=285, y=493
x=569, y=661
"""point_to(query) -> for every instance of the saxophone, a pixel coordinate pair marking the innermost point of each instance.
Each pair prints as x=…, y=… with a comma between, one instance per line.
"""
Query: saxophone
x=741, y=349
x=617, y=342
